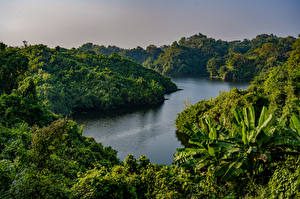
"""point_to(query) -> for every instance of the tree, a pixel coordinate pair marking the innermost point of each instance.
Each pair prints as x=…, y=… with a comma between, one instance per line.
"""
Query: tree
x=13, y=65
x=98, y=183
x=23, y=105
x=213, y=66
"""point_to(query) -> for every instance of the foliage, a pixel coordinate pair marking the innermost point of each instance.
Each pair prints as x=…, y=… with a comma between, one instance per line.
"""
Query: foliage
x=249, y=58
x=135, y=179
x=62, y=141
x=7, y=174
x=44, y=162
x=278, y=89
x=76, y=80
x=98, y=183
x=245, y=153
x=242, y=144
x=23, y=105
x=13, y=66
x=284, y=183
x=200, y=55
x=38, y=184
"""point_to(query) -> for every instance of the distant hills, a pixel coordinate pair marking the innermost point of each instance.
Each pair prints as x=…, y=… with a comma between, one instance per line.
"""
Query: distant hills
x=201, y=55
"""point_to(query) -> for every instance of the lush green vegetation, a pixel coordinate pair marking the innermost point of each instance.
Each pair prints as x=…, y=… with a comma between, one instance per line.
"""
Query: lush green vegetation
x=200, y=55
x=243, y=161
x=246, y=140
x=242, y=144
x=278, y=89
x=71, y=81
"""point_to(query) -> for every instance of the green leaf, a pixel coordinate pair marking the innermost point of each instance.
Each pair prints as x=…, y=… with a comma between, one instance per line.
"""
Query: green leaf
x=262, y=116
x=245, y=111
x=244, y=134
x=293, y=134
x=295, y=123
x=252, y=117
x=283, y=140
x=251, y=135
x=237, y=116
x=232, y=169
x=211, y=151
x=264, y=124
x=233, y=150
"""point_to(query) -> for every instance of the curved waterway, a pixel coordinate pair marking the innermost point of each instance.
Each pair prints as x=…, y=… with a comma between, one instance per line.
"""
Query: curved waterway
x=152, y=131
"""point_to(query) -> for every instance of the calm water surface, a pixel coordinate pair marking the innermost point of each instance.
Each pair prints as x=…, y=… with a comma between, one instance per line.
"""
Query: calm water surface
x=152, y=131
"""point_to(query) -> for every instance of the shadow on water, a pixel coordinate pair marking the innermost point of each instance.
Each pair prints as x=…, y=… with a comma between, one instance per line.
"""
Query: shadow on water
x=97, y=114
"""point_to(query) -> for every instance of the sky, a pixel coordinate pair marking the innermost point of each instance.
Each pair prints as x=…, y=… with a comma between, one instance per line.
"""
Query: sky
x=131, y=23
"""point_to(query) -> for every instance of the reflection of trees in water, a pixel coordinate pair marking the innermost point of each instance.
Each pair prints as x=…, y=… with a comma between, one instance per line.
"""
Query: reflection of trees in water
x=240, y=85
x=94, y=114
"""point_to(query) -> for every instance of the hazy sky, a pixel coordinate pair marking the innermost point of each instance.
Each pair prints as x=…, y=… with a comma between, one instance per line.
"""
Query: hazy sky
x=129, y=23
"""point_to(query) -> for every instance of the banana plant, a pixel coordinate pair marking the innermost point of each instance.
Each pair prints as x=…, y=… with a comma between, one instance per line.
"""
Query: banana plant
x=256, y=141
x=248, y=128
x=247, y=148
x=209, y=140
x=267, y=132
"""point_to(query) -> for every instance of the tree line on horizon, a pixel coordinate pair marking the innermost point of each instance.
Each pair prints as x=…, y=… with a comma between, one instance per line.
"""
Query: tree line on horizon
x=204, y=56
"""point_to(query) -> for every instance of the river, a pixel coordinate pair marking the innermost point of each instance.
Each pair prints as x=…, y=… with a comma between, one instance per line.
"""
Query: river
x=152, y=131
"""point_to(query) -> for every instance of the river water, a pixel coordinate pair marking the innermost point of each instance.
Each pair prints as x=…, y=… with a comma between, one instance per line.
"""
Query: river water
x=152, y=131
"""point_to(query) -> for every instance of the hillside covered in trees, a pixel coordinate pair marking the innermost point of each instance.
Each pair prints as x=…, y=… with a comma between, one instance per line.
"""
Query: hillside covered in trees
x=248, y=140
x=200, y=55
x=242, y=144
x=278, y=89
x=70, y=81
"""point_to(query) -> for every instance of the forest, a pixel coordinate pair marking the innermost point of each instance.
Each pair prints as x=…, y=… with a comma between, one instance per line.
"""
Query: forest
x=241, y=144
x=75, y=81
x=200, y=55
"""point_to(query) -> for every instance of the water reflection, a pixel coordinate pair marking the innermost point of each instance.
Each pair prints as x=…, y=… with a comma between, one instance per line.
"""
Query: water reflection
x=151, y=131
